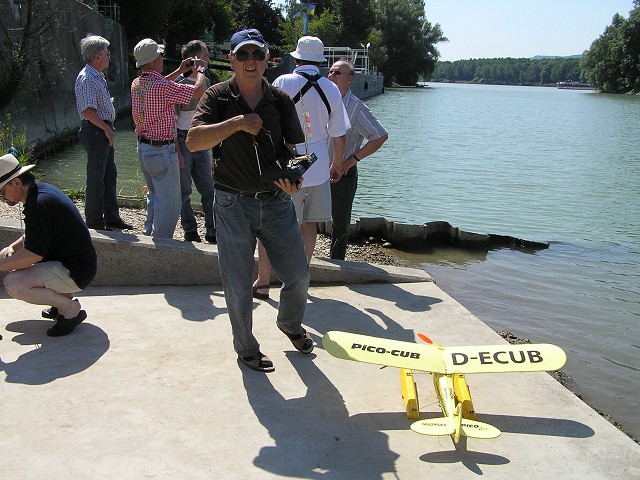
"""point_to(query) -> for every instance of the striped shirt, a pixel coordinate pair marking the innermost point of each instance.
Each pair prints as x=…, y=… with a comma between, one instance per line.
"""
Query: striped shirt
x=153, y=100
x=92, y=91
x=363, y=124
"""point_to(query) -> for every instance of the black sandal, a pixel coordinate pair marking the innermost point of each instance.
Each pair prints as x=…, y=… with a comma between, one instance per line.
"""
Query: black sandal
x=258, y=295
x=301, y=341
x=258, y=362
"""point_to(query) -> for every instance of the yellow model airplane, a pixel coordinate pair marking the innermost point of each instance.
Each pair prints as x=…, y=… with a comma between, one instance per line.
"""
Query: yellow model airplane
x=447, y=365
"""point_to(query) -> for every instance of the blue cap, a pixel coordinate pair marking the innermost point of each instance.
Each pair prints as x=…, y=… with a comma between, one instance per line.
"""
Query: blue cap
x=246, y=37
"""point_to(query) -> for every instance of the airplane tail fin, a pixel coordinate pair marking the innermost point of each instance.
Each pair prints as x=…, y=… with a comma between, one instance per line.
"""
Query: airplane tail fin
x=445, y=426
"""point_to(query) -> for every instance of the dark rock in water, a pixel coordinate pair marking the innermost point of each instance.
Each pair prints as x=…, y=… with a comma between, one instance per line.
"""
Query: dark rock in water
x=428, y=235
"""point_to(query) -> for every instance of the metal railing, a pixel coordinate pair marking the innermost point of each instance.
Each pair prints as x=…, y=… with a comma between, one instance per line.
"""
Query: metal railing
x=109, y=9
x=359, y=57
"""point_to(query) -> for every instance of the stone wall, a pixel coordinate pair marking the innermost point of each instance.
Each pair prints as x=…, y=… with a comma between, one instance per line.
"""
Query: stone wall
x=46, y=102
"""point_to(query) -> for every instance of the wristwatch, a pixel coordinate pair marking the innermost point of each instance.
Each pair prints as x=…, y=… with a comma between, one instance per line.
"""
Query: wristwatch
x=201, y=70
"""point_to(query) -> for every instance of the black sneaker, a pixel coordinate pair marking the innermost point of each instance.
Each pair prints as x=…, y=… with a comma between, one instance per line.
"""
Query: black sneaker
x=211, y=239
x=192, y=237
x=98, y=226
x=64, y=326
x=120, y=225
x=51, y=312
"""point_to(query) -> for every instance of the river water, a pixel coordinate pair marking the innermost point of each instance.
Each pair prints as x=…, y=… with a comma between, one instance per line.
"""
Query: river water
x=560, y=166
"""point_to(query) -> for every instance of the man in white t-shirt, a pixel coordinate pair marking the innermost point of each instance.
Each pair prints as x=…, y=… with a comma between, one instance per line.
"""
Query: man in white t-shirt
x=325, y=122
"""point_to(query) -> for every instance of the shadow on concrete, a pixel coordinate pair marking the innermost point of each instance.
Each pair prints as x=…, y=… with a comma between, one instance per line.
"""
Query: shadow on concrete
x=404, y=300
x=193, y=305
x=553, y=427
x=314, y=435
x=374, y=322
x=471, y=460
x=53, y=358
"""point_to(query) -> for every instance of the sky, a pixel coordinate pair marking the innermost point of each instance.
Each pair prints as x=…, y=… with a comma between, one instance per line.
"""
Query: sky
x=521, y=28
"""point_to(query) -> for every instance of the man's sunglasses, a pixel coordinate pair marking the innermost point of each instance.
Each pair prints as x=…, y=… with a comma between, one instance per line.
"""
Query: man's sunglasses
x=334, y=72
x=243, y=56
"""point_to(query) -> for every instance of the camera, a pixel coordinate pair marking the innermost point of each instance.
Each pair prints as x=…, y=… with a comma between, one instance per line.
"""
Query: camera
x=191, y=63
x=287, y=167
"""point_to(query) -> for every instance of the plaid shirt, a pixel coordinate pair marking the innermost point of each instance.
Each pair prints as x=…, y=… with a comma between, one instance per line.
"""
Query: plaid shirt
x=92, y=91
x=153, y=100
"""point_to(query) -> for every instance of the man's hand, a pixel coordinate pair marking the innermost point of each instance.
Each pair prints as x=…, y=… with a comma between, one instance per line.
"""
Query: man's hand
x=6, y=252
x=109, y=134
x=181, y=164
x=347, y=164
x=187, y=65
x=335, y=172
x=286, y=186
x=251, y=123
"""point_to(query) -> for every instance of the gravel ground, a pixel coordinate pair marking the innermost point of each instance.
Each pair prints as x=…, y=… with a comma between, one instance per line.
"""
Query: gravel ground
x=370, y=251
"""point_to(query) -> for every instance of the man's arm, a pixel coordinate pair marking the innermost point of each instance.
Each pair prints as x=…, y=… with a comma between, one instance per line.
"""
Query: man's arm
x=369, y=148
x=335, y=171
x=198, y=69
x=16, y=257
x=204, y=137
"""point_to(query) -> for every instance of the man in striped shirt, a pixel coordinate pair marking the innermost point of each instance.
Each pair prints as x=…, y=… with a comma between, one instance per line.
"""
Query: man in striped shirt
x=97, y=114
x=153, y=100
x=363, y=125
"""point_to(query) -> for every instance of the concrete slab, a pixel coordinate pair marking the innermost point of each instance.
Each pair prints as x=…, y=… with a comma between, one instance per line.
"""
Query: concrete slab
x=149, y=387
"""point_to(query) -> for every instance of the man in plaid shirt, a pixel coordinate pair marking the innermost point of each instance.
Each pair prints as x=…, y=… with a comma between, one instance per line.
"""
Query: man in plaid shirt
x=97, y=114
x=153, y=100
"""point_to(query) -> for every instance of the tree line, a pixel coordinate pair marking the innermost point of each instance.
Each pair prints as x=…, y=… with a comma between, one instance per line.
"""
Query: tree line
x=510, y=71
x=401, y=40
x=611, y=64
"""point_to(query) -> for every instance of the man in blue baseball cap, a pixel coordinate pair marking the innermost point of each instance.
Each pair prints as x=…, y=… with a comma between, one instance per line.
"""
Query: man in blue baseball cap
x=252, y=120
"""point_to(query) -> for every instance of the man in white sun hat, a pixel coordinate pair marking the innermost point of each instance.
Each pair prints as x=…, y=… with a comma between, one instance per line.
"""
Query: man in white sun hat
x=325, y=123
x=55, y=256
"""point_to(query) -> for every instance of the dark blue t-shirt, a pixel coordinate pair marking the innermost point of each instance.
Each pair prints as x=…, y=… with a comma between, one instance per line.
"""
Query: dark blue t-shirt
x=55, y=230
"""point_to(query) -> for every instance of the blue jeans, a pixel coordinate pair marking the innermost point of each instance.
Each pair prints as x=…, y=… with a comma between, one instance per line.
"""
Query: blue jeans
x=159, y=166
x=101, y=198
x=239, y=220
x=197, y=165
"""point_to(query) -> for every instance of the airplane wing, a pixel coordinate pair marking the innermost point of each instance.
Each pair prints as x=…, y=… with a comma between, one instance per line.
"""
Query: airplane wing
x=445, y=360
x=528, y=357
x=382, y=351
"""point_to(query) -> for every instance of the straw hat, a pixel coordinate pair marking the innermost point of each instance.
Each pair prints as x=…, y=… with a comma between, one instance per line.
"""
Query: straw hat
x=10, y=168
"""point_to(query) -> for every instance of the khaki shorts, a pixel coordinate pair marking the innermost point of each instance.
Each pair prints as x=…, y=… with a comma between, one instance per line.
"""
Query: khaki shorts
x=313, y=204
x=55, y=277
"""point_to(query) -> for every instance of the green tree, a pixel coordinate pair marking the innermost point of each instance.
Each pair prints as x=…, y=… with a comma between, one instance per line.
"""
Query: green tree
x=410, y=41
x=612, y=63
x=326, y=26
x=358, y=18
x=176, y=23
x=266, y=17
x=28, y=41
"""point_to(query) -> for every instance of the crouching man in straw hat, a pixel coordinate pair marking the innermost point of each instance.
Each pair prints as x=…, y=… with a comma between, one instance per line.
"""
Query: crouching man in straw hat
x=55, y=256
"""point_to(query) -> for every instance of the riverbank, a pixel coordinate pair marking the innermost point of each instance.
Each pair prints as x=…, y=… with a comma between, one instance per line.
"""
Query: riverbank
x=371, y=250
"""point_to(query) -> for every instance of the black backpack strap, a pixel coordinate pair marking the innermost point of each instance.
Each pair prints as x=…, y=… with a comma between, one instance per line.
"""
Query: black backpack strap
x=312, y=81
